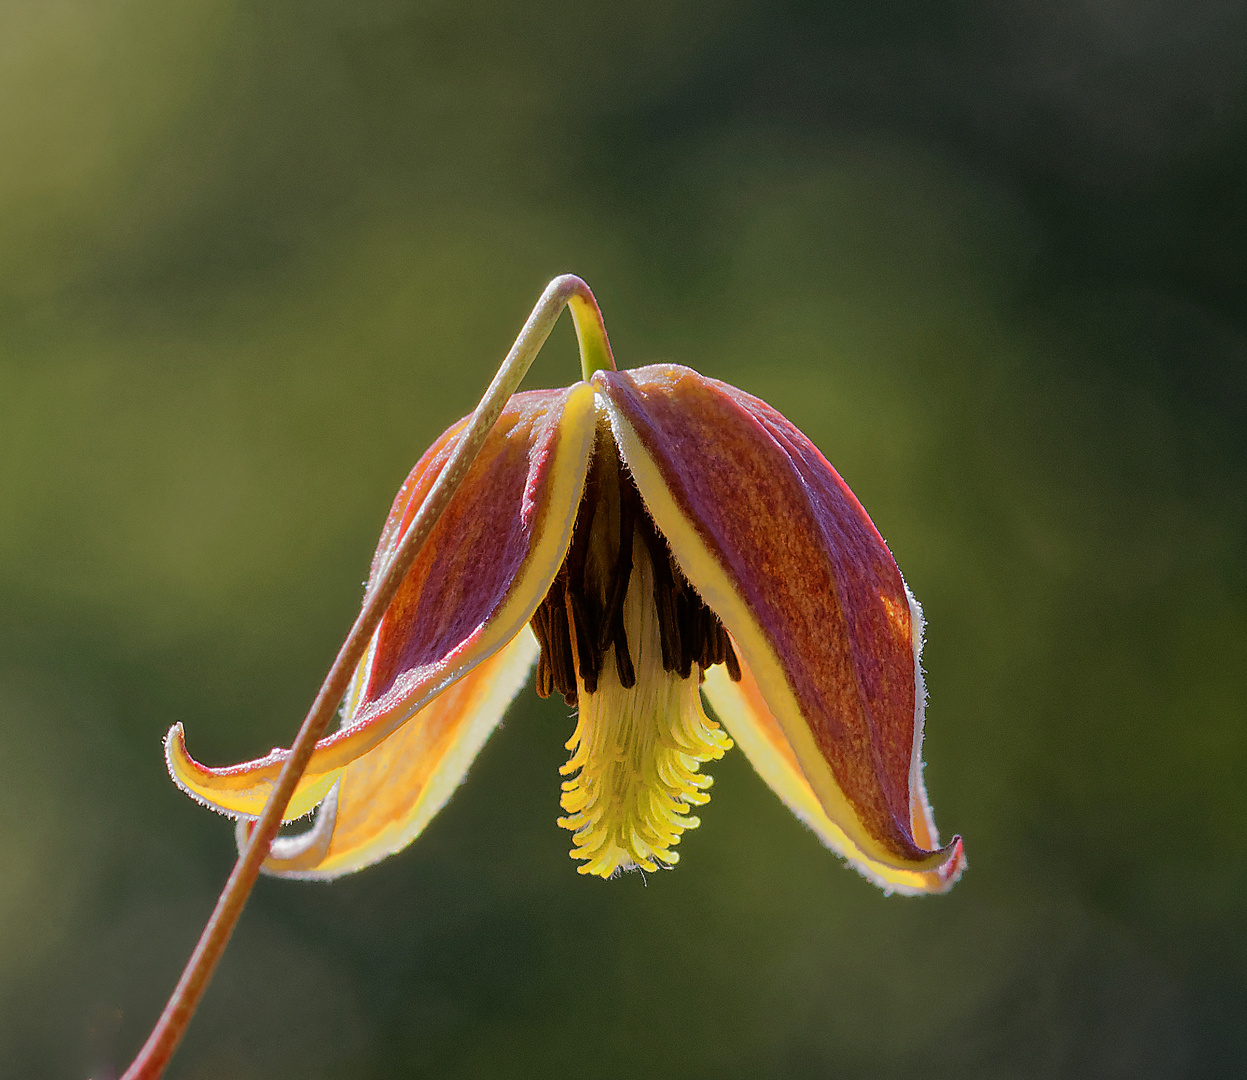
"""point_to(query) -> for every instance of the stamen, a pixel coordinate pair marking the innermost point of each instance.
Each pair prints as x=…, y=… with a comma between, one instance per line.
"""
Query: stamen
x=589, y=659
x=586, y=601
x=636, y=751
x=612, y=612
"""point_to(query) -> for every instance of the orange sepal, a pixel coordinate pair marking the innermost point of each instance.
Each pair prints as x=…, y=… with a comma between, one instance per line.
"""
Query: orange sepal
x=384, y=799
x=741, y=709
x=485, y=567
x=783, y=553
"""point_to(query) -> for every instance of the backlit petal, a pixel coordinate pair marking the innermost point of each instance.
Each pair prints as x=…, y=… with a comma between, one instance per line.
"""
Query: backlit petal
x=741, y=709
x=486, y=566
x=299, y=852
x=780, y=549
x=385, y=798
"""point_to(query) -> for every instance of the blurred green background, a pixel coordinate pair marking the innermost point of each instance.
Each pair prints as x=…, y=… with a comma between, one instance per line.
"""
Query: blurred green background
x=991, y=255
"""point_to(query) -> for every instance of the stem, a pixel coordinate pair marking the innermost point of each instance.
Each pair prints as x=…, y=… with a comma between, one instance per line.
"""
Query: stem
x=595, y=350
x=595, y=347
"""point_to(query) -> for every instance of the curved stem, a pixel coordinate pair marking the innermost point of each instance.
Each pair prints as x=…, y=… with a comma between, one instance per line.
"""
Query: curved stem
x=166, y=1035
x=595, y=347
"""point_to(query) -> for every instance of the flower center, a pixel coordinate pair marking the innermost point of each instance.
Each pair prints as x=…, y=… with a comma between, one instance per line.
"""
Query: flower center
x=641, y=734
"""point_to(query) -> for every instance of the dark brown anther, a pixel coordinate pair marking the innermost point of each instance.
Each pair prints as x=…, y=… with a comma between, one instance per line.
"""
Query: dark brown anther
x=538, y=623
x=566, y=671
x=621, y=573
x=591, y=613
x=686, y=619
x=574, y=563
x=664, y=594
x=545, y=677
x=555, y=670
x=586, y=648
x=712, y=651
x=623, y=658
x=715, y=639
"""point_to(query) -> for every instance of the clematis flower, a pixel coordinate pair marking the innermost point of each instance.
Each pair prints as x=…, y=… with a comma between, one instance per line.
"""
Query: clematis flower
x=643, y=537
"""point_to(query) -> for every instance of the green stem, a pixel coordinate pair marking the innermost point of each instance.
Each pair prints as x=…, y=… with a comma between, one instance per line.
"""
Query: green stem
x=595, y=353
x=595, y=347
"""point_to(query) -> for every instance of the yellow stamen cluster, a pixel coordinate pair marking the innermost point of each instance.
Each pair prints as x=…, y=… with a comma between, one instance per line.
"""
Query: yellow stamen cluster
x=636, y=752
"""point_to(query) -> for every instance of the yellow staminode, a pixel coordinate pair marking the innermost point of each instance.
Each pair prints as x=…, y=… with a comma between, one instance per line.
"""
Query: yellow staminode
x=636, y=753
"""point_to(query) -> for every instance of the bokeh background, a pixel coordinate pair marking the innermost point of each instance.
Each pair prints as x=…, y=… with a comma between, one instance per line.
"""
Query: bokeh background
x=990, y=254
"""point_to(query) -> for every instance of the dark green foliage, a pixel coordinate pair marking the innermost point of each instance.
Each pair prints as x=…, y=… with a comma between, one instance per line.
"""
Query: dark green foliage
x=254, y=257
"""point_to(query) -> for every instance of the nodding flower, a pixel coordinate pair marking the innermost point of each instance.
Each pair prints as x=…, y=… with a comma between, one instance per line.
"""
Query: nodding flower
x=644, y=538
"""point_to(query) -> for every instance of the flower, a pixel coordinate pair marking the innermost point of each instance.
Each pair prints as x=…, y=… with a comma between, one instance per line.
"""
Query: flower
x=642, y=537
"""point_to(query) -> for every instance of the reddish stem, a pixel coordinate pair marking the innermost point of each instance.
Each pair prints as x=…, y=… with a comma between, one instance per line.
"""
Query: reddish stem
x=165, y=1036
